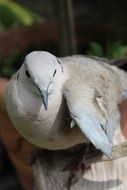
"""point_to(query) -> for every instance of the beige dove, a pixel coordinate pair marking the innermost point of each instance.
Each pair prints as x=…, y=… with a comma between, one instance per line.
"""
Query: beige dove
x=92, y=89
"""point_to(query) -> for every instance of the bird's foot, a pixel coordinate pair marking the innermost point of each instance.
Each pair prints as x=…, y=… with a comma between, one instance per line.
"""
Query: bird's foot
x=76, y=172
x=76, y=168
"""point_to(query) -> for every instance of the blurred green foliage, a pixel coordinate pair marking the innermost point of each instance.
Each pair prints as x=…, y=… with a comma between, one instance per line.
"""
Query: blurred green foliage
x=13, y=14
x=113, y=50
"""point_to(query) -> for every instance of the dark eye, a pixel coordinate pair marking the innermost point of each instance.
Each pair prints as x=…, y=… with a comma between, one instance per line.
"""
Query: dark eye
x=54, y=73
x=27, y=74
x=17, y=75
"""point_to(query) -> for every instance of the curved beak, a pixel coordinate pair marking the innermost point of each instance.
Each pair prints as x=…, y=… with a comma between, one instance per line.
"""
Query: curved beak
x=44, y=95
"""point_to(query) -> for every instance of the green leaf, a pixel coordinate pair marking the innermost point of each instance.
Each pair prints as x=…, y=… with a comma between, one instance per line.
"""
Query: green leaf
x=120, y=52
x=12, y=13
x=96, y=49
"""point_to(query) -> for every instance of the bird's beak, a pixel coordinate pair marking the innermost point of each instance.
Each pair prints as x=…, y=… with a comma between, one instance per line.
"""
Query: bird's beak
x=44, y=95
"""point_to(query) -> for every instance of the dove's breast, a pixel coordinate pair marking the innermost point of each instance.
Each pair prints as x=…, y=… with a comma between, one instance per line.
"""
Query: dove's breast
x=46, y=129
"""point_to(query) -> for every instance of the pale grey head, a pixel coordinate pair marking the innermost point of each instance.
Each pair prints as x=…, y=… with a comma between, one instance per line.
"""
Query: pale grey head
x=42, y=69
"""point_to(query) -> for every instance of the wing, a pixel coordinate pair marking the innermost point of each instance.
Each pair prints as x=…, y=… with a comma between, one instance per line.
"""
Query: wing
x=90, y=126
x=94, y=131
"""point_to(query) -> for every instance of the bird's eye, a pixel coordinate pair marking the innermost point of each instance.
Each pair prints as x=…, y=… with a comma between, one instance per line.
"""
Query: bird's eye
x=54, y=73
x=27, y=74
x=17, y=76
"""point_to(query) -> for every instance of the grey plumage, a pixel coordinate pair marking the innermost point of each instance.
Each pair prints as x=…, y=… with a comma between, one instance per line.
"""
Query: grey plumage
x=92, y=90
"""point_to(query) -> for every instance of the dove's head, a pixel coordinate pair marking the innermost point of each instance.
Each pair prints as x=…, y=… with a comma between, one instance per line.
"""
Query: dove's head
x=41, y=70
